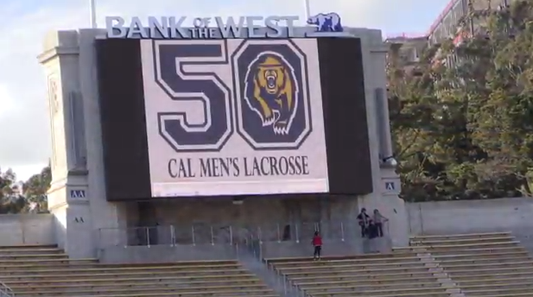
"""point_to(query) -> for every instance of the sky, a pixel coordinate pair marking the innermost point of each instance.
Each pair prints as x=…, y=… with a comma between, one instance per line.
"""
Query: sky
x=25, y=135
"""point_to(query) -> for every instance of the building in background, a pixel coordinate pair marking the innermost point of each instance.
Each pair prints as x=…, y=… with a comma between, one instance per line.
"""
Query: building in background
x=405, y=51
x=451, y=23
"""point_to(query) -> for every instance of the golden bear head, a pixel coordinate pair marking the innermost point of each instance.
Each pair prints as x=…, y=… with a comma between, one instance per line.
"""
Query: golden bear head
x=271, y=75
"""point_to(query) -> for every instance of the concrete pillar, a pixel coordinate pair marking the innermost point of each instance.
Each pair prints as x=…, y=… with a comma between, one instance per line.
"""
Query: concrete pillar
x=383, y=124
x=76, y=198
x=68, y=195
x=386, y=181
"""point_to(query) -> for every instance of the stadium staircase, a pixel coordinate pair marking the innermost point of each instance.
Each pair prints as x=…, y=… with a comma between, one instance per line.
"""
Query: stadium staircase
x=487, y=264
x=46, y=271
x=399, y=274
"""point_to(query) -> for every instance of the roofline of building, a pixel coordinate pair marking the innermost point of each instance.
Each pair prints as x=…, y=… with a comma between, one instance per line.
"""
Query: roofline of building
x=441, y=16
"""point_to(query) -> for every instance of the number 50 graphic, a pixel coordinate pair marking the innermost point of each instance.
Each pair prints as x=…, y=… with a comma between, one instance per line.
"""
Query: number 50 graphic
x=264, y=98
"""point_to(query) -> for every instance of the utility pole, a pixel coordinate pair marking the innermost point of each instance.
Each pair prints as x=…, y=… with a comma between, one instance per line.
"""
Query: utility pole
x=92, y=12
x=307, y=7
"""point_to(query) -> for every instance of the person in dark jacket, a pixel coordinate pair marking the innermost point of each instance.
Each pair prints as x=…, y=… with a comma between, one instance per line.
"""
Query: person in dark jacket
x=317, y=243
x=372, y=230
x=363, y=219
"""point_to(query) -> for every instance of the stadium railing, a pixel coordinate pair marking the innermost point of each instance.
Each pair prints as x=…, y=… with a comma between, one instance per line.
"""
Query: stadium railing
x=204, y=234
x=6, y=291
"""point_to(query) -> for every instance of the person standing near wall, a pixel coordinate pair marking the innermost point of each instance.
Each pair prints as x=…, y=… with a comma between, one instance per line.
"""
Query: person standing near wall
x=372, y=230
x=317, y=243
x=363, y=219
x=379, y=219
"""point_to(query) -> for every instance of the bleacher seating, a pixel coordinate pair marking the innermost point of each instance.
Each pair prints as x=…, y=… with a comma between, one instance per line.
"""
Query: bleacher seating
x=484, y=265
x=487, y=264
x=378, y=275
x=46, y=271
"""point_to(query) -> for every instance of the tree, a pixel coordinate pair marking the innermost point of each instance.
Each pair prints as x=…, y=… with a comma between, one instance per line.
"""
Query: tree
x=10, y=199
x=463, y=121
x=36, y=187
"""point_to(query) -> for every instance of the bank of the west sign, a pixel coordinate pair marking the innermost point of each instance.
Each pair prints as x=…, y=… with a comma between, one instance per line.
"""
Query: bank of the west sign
x=216, y=27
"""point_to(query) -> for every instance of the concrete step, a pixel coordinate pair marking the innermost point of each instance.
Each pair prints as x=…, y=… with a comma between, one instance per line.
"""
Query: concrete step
x=7, y=263
x=461, y=236
x=82, y=282
x=372, y=279
x=484, y=255
x=360, y=286
x=482, y=260
x=499, y=286
x=33, y=257
x=236, y=291
x=164, y=294
x=512, y=292
x=333, y=267
x=403, y=259
x=366, y=257
x=493, y=277
x=95, y=267
x=144, y=286
x=375, y=292
x=496, y=238
x=496, y=266
x=29, y=252
x=51, y=274
x=356, y=271
x=483, y=271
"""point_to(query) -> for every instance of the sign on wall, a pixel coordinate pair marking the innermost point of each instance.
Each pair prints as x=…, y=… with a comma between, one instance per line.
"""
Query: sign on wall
x=77, y=193
x=173, y=27
x=234, y=117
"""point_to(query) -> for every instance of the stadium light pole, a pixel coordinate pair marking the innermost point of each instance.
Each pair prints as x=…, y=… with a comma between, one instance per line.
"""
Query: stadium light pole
x=92, y=12
x=307, y=7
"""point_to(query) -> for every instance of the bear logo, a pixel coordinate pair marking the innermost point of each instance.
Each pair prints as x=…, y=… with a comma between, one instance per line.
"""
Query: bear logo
x=272, y=91
x=326, y=22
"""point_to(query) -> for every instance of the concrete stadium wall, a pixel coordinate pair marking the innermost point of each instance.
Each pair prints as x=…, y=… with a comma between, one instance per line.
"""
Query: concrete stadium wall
x=167, y=253
x=451, y=217
x=27, y=229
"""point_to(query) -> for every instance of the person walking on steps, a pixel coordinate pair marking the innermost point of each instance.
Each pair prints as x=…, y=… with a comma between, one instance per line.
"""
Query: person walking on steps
x=317, y=243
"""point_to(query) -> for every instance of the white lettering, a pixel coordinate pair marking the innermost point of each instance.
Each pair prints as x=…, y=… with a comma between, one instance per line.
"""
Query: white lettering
x=290, y=24
x=230, y=26
x=156, y=26
x=206, y=21
x=198, y=23
x=213, y=32
x=203, y=33
x=172, y=27
x=253, y=28
x=272, y=24
x=114, y=24
x=177, y=27
x=136, y=28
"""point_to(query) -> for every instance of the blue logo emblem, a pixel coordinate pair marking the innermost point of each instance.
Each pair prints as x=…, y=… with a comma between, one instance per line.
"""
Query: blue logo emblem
x=271, y=91
x=326, y=22
x=272, y=101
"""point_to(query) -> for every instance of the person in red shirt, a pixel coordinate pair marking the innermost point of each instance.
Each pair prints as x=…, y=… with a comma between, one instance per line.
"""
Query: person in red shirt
x=317, y=243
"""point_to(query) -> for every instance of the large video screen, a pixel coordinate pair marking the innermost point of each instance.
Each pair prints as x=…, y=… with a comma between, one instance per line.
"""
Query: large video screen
x=233, y=117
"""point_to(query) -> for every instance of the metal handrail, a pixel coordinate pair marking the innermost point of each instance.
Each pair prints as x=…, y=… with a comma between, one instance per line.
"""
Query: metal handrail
x=6, y=291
